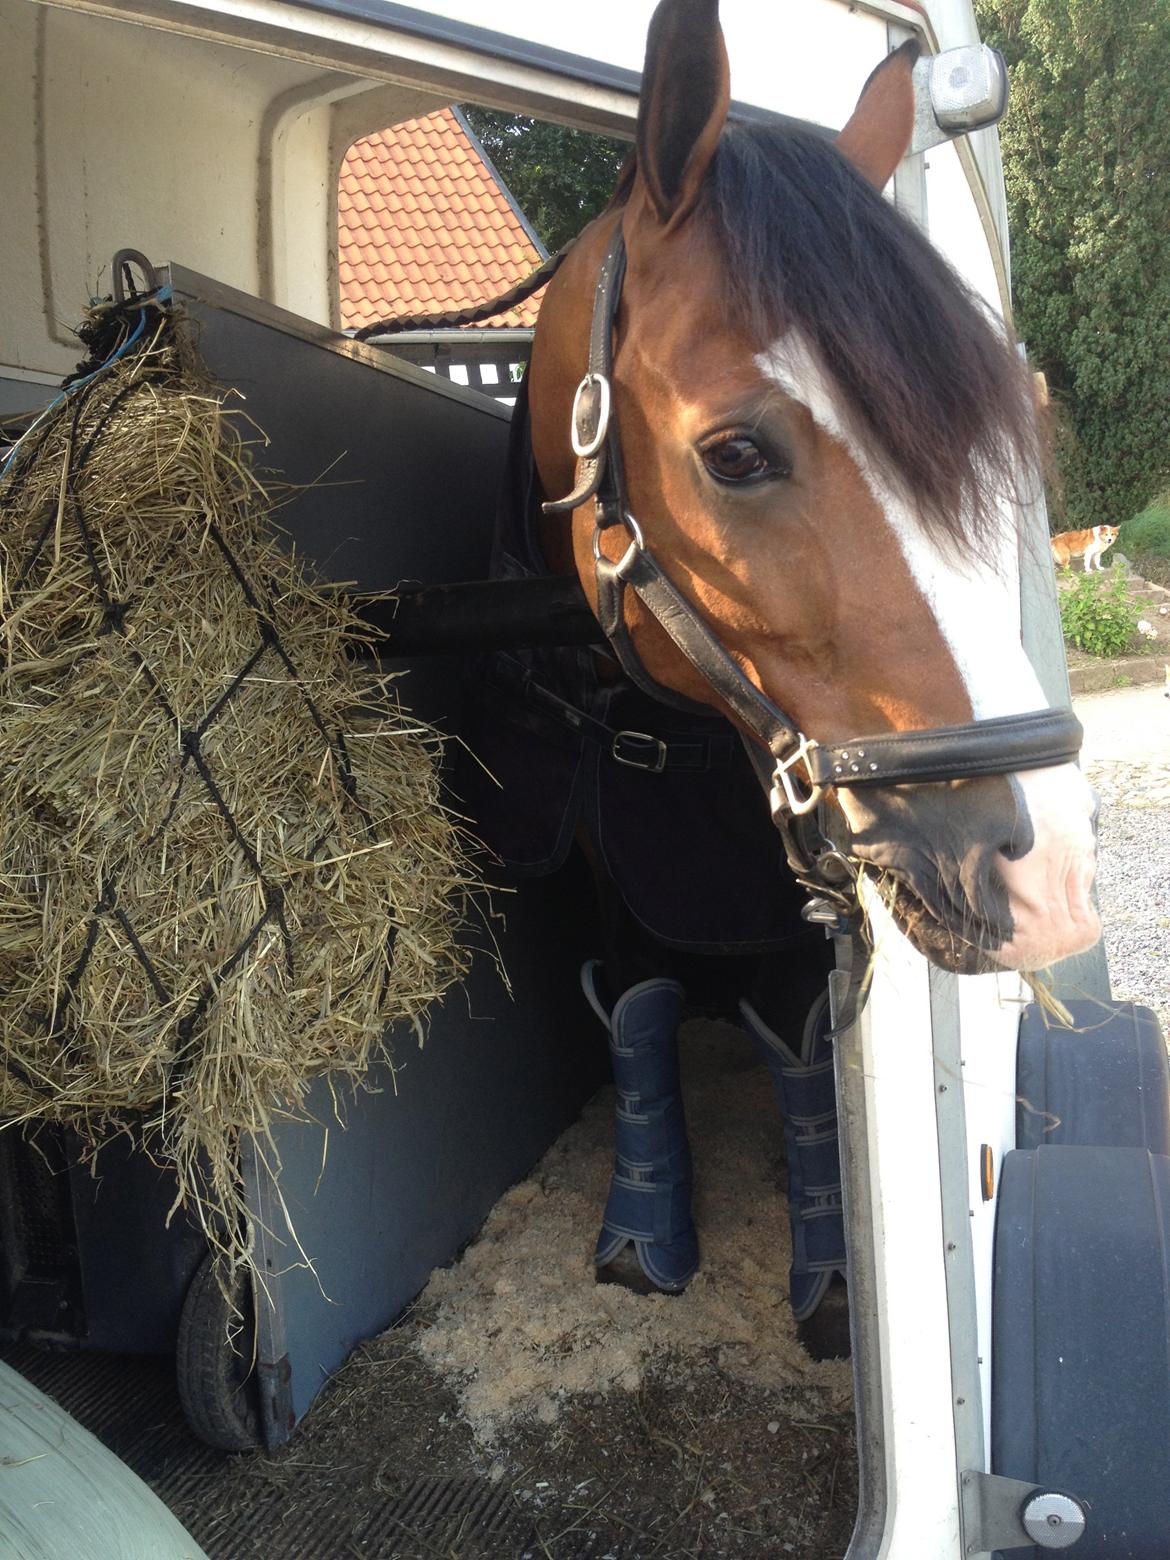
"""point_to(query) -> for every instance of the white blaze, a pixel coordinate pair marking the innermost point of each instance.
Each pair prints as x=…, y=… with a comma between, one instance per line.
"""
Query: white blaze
x=975, y=604
x=974, y=601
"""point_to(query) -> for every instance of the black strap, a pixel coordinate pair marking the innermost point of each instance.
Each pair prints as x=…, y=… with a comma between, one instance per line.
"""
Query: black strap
x=640, y=571
x=450, y=319
x=635, y=749
x=611, y=614
x=1001, y=745
x=602, y=475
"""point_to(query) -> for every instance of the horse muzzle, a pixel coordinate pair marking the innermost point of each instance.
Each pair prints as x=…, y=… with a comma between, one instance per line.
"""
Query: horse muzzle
x=988, y=873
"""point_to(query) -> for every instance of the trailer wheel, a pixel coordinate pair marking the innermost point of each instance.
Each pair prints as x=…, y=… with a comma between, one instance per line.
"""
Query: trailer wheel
x=215, y=1361
x=1080, y=1373
x=1104, y=1083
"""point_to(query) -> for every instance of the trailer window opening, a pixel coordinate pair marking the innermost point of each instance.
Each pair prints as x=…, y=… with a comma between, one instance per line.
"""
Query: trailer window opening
x=452, y=209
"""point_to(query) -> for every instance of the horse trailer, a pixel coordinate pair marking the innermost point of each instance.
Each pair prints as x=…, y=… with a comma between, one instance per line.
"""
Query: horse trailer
x=1001, y=1171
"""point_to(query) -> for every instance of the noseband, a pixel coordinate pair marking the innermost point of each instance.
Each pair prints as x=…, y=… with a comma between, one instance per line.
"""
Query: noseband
x=801, y=768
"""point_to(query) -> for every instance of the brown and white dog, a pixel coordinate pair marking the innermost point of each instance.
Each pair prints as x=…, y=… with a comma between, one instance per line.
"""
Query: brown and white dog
x=1088, y=545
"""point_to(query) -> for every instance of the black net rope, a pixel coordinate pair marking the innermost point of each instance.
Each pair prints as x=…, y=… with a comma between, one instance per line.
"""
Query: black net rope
x=114, y=615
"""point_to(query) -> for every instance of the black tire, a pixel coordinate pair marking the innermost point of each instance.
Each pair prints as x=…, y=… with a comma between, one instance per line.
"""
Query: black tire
x=1105, y=1083
x=215, y=1361
x=1080, y=1375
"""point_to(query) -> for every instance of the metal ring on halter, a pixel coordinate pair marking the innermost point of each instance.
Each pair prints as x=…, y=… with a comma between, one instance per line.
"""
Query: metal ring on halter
x=834, y=867
x=782, y=781
x=589, y=447
x=637, y=541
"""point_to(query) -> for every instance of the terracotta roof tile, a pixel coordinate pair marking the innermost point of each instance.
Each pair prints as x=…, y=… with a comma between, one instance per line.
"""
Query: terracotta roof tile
x=423, y=227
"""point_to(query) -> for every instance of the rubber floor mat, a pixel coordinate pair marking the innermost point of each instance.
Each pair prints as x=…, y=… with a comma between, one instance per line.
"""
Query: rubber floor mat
x=132, y=1406
x=467, y=1517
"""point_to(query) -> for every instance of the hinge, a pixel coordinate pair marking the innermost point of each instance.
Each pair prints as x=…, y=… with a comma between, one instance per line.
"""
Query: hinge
x=1001, y=1513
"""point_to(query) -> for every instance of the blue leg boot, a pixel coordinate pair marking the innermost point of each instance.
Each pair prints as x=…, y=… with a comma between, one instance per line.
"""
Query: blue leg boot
x=806, y=1095
x=649, y=1206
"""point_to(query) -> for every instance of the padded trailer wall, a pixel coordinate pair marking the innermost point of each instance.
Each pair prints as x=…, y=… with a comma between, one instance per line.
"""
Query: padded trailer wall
x=413, y=466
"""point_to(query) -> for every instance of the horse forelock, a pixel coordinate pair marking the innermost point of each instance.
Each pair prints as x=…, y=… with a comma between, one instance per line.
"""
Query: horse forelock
x=927, y=382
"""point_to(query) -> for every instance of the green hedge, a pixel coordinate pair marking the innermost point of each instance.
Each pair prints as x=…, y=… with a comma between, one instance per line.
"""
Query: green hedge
x=1148, y=533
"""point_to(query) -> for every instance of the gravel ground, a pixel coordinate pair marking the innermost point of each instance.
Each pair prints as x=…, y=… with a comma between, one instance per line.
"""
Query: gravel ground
x=1133, y=880
x=1127, y=759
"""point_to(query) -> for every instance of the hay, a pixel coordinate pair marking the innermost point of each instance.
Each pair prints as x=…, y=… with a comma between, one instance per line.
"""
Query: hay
x=225, y=866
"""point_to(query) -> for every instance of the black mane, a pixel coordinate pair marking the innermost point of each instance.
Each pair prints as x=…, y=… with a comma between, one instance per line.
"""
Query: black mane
x=934, y=390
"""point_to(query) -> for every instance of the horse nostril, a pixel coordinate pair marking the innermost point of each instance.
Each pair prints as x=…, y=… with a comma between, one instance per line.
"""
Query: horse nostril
x=1016, y=846
x=1021, y=836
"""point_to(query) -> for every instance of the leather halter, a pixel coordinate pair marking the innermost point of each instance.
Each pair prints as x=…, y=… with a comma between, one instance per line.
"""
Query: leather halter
x=1002, y=745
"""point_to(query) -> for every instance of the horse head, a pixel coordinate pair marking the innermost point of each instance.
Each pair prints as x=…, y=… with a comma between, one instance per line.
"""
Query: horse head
x=822, y=436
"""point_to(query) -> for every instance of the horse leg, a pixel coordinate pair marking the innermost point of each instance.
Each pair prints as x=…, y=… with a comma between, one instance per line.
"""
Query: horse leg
x=648, y=1211
x=802, y=1076
x=647, y=1241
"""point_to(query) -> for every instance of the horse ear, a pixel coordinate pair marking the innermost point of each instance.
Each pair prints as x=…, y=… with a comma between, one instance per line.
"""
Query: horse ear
x=686, y=88
x=878, y=134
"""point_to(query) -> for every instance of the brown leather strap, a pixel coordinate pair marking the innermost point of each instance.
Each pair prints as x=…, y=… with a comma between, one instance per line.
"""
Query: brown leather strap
x=593, y=418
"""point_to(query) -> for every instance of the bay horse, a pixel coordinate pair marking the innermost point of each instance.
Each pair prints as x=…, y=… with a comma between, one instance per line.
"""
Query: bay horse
x=806, y=529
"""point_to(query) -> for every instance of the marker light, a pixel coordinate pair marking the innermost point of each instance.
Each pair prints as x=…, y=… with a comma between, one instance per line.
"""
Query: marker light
x=958, y=91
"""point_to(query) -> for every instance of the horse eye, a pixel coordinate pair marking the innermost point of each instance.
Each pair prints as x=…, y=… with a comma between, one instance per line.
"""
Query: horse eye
x=736, y=458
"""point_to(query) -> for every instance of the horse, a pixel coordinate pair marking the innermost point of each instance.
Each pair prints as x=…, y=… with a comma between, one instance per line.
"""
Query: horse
x=784, y=449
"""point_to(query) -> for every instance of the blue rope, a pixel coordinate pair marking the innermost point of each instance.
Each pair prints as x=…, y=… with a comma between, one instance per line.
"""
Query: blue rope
x=163, y=295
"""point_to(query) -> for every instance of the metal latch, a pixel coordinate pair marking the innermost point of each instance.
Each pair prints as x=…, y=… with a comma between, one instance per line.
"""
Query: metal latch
x=1003, y=1513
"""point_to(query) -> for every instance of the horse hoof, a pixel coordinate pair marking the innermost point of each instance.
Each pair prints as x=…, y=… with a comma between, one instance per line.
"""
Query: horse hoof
x=825, y=1334
x=626, y=1271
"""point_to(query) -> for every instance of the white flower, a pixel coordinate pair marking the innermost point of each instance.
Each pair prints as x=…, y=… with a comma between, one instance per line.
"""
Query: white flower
x=1147, y=629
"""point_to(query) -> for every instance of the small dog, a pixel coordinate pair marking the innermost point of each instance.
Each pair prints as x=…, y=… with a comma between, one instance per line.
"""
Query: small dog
x=1088, y=545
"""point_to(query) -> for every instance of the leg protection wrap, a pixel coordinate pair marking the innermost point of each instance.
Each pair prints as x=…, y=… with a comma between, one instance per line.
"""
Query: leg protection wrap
x=650, y=1195
x=805, y=1091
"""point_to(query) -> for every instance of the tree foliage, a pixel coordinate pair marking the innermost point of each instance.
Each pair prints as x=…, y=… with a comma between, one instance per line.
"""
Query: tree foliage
x=560, y=178
x=1087, y=161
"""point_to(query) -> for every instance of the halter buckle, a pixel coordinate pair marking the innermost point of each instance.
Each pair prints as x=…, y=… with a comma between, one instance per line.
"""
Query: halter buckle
x=639, y=750
x=586, y=443
x=784, y=795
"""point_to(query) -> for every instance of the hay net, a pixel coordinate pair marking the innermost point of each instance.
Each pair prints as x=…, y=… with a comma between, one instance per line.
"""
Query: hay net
x=225, y=865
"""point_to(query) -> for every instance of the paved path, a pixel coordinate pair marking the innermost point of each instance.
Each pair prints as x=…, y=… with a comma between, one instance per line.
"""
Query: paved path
x=1131, y=724
x=1127, y=746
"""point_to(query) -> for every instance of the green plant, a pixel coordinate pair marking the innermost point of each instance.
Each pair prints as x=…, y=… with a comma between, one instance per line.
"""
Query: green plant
x=1097, y=616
